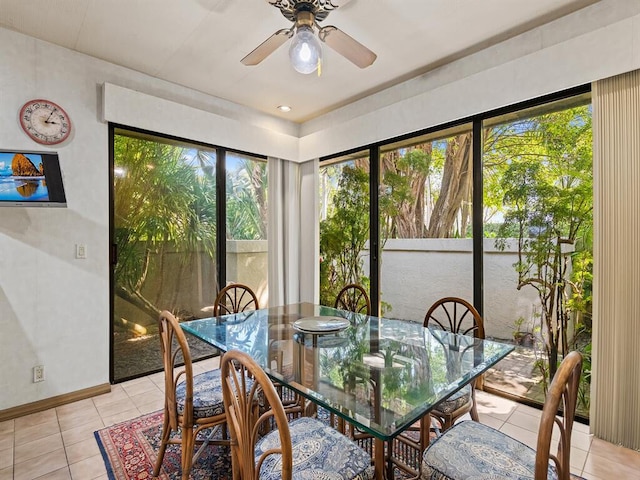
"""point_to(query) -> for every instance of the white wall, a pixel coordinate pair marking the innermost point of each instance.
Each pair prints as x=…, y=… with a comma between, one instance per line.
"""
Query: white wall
x=54, y=309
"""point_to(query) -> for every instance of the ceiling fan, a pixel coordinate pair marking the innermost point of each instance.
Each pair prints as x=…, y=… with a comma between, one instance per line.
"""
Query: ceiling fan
x=305, y=50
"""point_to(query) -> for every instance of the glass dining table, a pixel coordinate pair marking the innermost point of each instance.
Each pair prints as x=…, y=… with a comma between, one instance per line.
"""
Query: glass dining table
x=381, y=375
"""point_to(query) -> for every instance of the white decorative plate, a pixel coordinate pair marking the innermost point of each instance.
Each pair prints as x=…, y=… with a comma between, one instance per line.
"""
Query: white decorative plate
x=321, y=324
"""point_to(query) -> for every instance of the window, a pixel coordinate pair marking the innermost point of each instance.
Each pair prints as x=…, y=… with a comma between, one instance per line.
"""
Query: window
x=527, y=193
x=167, y=218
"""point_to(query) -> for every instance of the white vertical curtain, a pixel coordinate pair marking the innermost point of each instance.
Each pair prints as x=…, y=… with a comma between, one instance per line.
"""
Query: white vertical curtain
x=615, y=390
x=292, y=231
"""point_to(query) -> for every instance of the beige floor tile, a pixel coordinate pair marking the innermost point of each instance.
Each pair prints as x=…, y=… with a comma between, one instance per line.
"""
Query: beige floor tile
x=7, y=426
x=6, y=473
x=580, y=427
x=147, y=397
x=73, y=419
x=116, y=393
x=38, y=418
x=144, y=385
x=35, y=432
x=75, y=407
x=81, y=433
x=6, y=458
x=576, y=459
x=491, y=421
x=616, y=453
x=113, y=408
x=579, y=440
x=88, y=469
x=524, y=420
x=151, y=407
x=6, y=440
x=209, y=363
x=157, y=378
x=36, y=467
x=589, y=476
x=497, y=407
x=39, y=447
x=608, y=468
x=534, y=412
x=81, y=451
x=62, y=474
x=121, y=417
x=525, y=436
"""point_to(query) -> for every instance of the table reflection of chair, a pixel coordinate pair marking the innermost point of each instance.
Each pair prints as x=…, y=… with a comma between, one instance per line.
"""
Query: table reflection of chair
x=474, y=450
x=456, y=315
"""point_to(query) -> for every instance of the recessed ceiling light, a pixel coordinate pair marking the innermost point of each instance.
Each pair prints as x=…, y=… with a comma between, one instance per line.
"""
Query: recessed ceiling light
x=284, y=108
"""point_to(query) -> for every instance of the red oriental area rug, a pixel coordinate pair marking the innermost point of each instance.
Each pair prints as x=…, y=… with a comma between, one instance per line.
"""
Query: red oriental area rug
x=129, y=452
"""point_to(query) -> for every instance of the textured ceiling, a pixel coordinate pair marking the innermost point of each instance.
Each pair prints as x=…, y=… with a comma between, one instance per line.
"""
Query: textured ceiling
x=199, y=43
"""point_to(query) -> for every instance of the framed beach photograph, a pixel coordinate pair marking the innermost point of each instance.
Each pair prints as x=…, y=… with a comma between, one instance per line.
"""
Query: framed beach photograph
x=31, y=179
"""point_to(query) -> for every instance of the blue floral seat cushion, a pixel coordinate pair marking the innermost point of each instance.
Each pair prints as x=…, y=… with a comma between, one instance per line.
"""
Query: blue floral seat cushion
x=207, y=395
x=455, y=401
x=319, y=453
x=471, y=450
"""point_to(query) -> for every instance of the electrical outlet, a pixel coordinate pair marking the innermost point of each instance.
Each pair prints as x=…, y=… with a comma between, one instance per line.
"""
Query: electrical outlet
x=38, y=373
x=81, y=251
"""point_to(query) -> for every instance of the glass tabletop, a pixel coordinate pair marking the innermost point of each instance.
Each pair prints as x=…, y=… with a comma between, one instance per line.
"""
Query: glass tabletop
x=380, y=374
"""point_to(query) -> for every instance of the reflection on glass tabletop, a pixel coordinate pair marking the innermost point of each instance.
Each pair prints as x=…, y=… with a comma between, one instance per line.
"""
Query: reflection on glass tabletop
x=321, y=324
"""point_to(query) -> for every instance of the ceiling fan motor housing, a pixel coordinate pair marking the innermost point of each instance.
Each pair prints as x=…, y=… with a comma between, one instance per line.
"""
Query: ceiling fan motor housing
x=292, y=9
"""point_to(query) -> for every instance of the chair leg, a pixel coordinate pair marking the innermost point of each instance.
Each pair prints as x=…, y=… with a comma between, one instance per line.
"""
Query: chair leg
x=188, y=444
x=474, y=410
x=166, y=433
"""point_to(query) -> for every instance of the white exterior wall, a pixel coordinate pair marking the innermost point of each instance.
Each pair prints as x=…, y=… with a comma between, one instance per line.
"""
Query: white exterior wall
x=247, y=264
x=417, y=272
x=54, y=309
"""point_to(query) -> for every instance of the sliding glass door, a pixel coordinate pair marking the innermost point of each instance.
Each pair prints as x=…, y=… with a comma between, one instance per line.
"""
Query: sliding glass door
x=164, y=243
x=425, y=221
x=171, y=201
x=538, y=249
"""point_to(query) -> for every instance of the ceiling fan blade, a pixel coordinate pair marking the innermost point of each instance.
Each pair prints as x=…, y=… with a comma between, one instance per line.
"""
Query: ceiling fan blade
x=347, y=46
x=267, y=47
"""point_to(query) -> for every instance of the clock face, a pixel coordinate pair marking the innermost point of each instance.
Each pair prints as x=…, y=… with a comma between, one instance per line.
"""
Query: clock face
x=45, y=122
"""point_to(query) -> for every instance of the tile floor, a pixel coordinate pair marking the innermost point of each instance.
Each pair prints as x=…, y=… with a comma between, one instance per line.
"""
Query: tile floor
x=58, y=444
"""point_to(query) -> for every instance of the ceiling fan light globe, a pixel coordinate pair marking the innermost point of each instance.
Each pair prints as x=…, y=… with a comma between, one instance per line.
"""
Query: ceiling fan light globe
x=305, y=51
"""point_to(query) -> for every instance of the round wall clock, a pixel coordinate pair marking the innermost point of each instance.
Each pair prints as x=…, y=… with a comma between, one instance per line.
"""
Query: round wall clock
x=45, y=122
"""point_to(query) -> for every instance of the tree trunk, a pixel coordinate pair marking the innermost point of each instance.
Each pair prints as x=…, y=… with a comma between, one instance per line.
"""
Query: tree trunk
x=456, y=185
x=409, y=220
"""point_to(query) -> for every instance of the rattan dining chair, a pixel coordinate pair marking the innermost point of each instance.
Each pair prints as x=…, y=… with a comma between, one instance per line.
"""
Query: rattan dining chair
x=473, y=450
x=353, y=298
x=192, y=403
x=304, y=448
x=458, y=316
x=235, y=298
